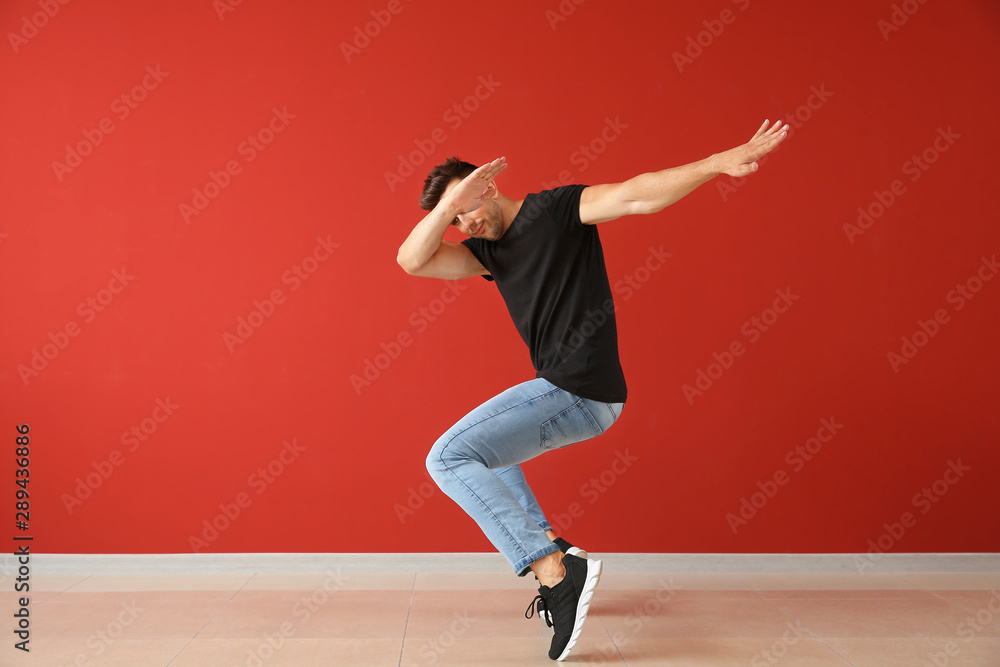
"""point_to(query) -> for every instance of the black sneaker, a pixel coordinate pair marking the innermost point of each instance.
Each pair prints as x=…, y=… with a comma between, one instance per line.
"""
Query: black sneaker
x=566, y=548
x=568, y=602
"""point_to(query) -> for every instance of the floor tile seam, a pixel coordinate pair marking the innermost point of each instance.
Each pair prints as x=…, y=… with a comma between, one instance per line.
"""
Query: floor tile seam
x=406, y=623
x=74, y=584
x=218, y=611
x=960, y=605
x=178, y=654
x=612, y=638
x=809, y=630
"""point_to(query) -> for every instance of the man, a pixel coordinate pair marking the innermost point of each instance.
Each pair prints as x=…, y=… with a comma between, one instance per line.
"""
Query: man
x=545, y=256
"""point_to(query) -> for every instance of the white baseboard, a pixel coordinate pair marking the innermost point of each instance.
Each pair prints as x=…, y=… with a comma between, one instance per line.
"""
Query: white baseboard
x=194, y=563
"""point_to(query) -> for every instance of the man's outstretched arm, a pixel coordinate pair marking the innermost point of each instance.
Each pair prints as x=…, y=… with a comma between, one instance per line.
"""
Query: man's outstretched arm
x=654, y=191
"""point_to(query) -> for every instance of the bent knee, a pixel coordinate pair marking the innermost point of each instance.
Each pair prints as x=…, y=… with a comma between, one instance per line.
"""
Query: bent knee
x=441, y=456
x=449, y=451
x=433, y=463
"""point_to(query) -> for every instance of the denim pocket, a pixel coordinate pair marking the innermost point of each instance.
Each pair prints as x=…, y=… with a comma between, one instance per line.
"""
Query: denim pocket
x=574, y=424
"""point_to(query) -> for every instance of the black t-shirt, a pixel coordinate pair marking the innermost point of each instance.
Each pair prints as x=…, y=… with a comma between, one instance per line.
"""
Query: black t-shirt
x=549, y=268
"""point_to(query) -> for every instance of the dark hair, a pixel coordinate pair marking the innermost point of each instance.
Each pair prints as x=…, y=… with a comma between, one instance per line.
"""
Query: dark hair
x=439, y=178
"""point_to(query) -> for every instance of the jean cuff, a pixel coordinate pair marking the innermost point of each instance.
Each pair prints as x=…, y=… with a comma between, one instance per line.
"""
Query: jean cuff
x=522, y=567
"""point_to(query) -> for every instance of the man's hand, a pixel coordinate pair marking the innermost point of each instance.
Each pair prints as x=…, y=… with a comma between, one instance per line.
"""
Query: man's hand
x=426, y=253
x=468, y=195
x=742, y=160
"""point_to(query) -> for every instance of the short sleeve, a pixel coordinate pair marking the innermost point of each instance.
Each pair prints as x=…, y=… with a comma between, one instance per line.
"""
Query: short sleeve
x=474, y=246
x=563, y=204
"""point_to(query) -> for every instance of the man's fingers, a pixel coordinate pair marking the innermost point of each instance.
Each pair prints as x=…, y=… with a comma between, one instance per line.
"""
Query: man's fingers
x=773, y=142
x=763, y=132
x=765, y=146
x=775, y=129
x=769, y=141
x=766, y=140
x=760, y=131
x=498, y=164
x=491, y=169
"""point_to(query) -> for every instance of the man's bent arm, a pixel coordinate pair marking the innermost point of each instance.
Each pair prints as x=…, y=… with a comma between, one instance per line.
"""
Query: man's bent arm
x=425, y=253
x=425, y=239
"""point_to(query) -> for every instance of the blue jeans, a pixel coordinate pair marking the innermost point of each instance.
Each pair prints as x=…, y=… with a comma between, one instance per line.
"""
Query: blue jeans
x=476, y=462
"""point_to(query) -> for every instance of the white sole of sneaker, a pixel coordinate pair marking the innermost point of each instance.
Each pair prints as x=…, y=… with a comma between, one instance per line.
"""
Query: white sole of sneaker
x=594, y=568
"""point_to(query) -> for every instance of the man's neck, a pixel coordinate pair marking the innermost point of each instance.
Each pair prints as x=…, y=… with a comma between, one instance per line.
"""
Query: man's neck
x=508, y=209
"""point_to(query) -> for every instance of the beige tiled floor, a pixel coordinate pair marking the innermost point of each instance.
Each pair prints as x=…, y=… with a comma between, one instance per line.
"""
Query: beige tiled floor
x=687, y=620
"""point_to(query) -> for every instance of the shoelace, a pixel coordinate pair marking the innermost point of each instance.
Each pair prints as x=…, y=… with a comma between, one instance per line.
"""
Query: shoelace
x=543, y=605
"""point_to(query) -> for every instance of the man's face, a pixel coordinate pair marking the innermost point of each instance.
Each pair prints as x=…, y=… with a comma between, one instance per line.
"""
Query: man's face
x=486, y=222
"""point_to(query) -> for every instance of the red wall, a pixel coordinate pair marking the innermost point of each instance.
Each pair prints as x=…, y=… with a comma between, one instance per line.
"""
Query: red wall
x=331, y=122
